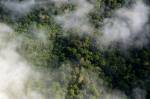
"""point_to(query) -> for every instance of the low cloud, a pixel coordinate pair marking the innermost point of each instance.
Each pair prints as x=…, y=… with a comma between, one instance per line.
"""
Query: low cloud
x=77, y=20
x=19, y=7
x=19, y=78
x=14, y=70
x=128, y=26
x=20, y=81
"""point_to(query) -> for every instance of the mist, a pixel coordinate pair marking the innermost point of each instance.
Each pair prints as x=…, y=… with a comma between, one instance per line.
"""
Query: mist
x=20, y=80
x=19, y=7
x=14, y=70
x=77, y=20
x=128, y=26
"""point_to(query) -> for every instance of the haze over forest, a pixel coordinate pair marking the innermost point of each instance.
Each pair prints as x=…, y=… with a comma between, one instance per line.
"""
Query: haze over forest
x=74, y=49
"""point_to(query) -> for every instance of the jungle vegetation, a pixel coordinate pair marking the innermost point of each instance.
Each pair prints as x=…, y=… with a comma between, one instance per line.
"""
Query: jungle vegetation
x=123, y=70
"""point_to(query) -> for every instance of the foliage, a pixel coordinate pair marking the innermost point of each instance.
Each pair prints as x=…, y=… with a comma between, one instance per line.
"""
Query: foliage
x=120, y=70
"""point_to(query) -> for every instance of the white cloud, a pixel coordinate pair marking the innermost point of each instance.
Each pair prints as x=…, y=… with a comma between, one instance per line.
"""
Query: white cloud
x=77, y=20
x=128, y=26
x=17, y=7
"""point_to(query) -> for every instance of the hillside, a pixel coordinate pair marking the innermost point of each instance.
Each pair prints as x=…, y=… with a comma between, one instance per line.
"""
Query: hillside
x=75, y=49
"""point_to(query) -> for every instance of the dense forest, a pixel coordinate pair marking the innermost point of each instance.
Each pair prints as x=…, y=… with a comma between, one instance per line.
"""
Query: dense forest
x=65, y=40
